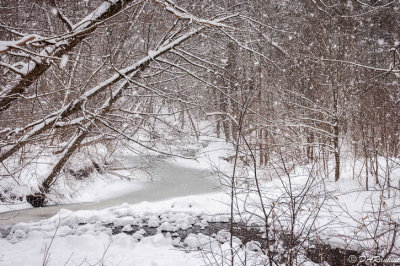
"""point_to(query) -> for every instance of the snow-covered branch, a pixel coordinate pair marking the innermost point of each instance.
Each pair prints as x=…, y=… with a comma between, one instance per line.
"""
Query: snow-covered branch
x=38, y=127
x=58, y=48
x=181, y=13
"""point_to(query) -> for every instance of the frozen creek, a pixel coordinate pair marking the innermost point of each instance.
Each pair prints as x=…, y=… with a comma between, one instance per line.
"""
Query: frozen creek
x=170, y=180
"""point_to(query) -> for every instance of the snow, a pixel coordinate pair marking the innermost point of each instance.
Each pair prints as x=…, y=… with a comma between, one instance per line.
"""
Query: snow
x=152, y=54
x=89, y=248
x=147, y=228
x=87, y=237
x=5, y=45
x=64, y=61
x=200, y=241
x=93, y=241
x=102, y=190
x=54, y=11
x=96, y=187
x=223, y=236
x=103, y=8
x=166, y=227
x=253, y=246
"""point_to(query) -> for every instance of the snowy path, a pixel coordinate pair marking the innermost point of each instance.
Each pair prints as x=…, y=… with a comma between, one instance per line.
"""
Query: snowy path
x=171, y=180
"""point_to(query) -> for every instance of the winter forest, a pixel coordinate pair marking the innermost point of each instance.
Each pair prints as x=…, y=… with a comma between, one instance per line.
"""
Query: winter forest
x=199, y=132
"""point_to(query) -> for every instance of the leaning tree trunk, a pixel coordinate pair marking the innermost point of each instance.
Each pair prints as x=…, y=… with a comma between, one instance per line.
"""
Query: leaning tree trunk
x=82, y=29
x=71, y=148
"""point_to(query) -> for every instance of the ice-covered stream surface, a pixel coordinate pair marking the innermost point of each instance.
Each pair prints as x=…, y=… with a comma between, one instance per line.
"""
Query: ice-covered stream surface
x=169, y=180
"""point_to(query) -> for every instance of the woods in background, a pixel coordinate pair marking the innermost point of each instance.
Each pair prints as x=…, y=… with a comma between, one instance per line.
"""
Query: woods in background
x=311, y=80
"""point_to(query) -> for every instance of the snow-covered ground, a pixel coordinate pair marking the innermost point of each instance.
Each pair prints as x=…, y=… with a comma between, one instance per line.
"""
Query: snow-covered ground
x=94, y=242
x=344, y=212
x=85, y=238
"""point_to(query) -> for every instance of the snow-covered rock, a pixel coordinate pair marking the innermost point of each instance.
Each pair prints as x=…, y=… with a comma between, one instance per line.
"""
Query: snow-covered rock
x=200, y=241
x=153, y=222
x=138, y=235
x=253, y=246
x=127, y=228
x=17, y=236
x=128, y=220
x=166, y=227
x=223, y=236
